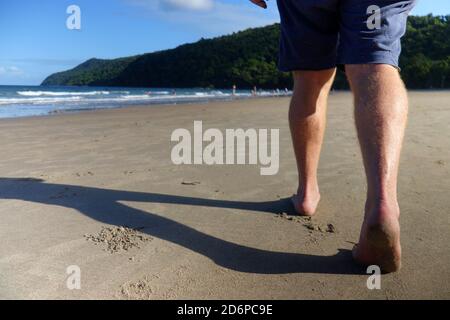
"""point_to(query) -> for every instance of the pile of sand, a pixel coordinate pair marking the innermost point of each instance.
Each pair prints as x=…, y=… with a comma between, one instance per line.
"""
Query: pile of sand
x=118, y=239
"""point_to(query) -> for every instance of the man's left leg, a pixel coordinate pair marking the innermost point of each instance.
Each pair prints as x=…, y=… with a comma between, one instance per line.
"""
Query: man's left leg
x=307, y=120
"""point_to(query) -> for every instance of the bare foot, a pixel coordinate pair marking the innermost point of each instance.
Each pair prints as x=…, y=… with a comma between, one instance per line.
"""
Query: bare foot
x=379, y=242
x=306, y=205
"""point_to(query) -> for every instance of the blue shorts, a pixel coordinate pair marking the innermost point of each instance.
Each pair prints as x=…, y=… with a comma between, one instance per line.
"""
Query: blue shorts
x=321, y=34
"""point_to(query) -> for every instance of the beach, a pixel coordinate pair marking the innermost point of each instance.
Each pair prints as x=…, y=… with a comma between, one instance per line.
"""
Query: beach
x=98, y=190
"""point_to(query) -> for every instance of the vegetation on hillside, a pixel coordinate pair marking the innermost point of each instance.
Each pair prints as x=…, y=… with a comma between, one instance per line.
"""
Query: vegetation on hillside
x=248, y=58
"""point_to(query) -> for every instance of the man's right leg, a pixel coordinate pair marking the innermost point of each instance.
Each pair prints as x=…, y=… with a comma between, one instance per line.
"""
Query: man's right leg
x=370, y=51
x=307, y=119
x=381, y=107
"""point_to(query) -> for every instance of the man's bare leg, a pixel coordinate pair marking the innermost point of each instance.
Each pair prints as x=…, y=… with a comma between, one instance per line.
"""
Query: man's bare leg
x=307, y=119
x=381, y=108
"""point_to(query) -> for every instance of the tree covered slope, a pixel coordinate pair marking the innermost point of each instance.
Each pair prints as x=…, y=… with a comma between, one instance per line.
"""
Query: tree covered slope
x=249, y=57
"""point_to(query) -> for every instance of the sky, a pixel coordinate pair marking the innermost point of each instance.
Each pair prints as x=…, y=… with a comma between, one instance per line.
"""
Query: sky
x=35, y=41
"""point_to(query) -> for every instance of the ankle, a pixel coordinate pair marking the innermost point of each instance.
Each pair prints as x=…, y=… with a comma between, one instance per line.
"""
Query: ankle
x=310, y=189
x=382, y=209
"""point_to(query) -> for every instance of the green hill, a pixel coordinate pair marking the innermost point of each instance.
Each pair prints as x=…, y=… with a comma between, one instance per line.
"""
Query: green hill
x=248, y=58
x=90, y=73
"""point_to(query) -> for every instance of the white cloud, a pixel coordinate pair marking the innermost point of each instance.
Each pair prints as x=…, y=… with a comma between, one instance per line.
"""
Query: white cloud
x=223, y=18
x=196, y=5
x=210, y=17
x=10, y=70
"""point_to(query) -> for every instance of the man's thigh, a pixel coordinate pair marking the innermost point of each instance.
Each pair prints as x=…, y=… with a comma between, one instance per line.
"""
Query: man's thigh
x=371, y=30
x=309, y=34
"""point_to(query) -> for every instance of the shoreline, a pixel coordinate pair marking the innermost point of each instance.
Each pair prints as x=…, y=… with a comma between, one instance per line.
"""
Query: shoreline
x=182, y=103
x=148, y=105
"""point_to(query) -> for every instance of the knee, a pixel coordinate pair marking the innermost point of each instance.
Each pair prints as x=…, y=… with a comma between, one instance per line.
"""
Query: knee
x=365, y=75
x=313, y=80
x=310, y=92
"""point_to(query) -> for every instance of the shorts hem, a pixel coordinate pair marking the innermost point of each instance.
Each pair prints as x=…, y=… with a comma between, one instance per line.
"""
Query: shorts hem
x=372, y=58
x=305, y=66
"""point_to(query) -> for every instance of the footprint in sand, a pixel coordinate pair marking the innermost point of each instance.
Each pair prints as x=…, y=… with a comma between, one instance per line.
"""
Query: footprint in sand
x=89, y=173
x=139, y=290
x=309, y=223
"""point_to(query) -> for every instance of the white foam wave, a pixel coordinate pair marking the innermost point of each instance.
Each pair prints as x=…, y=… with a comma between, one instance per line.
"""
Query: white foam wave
x=57, y=94
x=135, y=97
x=160, y=92
x=117, y=97
x=6, y=101
x=144, y=97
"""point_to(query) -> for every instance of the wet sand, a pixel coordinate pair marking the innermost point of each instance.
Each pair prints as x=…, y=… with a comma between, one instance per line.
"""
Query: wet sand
x=72, y=185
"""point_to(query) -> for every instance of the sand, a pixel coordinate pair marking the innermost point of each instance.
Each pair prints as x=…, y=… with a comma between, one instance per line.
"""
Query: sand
x=209, y=232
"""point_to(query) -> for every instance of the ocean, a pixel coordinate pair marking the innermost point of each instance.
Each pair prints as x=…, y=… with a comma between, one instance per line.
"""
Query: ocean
x=25, y=101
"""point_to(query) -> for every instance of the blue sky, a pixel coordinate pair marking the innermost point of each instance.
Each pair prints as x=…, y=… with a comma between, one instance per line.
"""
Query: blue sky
x=35, y=41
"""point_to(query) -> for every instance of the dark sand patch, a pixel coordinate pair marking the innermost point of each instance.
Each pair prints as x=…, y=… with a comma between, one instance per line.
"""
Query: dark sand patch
x=190, y=183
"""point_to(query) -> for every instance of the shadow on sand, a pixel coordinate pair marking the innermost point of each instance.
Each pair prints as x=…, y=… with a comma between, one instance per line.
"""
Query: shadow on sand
x=104, y=205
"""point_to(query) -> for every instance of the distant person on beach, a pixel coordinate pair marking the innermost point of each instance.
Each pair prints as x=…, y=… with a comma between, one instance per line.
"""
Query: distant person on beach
x=233, y=91
x=362, y=37
x=254, y=91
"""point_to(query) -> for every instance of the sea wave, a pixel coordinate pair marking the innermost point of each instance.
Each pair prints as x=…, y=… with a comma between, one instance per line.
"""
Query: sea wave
x=196, y=95
x=57, y=94
x=7, y=101
x=42, y=100
x=135, y=97
x=160, y=92
x=97, y=98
